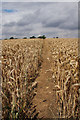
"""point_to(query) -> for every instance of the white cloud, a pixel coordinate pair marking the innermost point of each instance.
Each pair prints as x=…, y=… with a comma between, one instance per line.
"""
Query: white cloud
x=0, y=21
x=51, y=19
x=40, y=0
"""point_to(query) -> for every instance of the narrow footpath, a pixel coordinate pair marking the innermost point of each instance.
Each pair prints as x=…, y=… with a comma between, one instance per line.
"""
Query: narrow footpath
x=45, y=98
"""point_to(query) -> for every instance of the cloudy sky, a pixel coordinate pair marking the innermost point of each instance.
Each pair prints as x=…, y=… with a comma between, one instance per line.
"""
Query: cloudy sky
x=52, y=19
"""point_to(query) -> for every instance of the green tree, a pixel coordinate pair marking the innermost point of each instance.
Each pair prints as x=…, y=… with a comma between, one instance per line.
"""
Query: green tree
x=11, y=37
x=42, y=37
x=56, y=37
x=24, y=37
x=32, y=37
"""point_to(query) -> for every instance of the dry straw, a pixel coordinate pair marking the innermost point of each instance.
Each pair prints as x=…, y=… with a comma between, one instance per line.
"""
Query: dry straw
x=21, y=60
x=20, y=66
x=66, y=75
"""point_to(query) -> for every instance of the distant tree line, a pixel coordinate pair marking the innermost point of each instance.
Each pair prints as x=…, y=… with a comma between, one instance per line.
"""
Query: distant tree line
x=55, y=37
x=41, y=37
x=32, y=37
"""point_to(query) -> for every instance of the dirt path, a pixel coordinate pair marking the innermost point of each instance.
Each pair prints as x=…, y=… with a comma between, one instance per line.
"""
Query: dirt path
x=45, y=98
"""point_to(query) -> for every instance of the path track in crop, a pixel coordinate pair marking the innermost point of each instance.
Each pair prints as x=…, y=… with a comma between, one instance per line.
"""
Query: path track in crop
x=45, y=98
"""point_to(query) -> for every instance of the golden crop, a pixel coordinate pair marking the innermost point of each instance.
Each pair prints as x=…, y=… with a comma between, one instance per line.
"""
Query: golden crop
x=66, y=76
x=21, y=61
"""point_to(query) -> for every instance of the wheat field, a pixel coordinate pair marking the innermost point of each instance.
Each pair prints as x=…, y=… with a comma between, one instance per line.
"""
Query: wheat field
x=65, y=68
x=21, y=61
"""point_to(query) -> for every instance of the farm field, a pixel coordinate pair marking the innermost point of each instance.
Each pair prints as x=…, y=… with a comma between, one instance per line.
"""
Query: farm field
x=40, y=78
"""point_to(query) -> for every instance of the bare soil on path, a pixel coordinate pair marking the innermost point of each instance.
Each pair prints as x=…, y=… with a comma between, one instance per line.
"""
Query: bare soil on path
x=45, y=99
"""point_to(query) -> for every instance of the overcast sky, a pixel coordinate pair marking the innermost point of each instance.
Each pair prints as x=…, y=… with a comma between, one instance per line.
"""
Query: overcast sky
x=40, y=0
x=52, y=19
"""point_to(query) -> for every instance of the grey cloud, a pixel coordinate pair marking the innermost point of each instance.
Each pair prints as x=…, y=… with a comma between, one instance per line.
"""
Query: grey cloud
x=53, y=23
x=19, y=33
x=65, y=18
x=40, y=0
x=68, y=26
x=28, y=19
x=41, y=18
x=79, y=16
x=9, y=24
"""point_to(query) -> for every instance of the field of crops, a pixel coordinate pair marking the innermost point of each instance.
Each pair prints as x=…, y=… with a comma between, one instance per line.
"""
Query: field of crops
x=21, y=61
x=65, y=68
